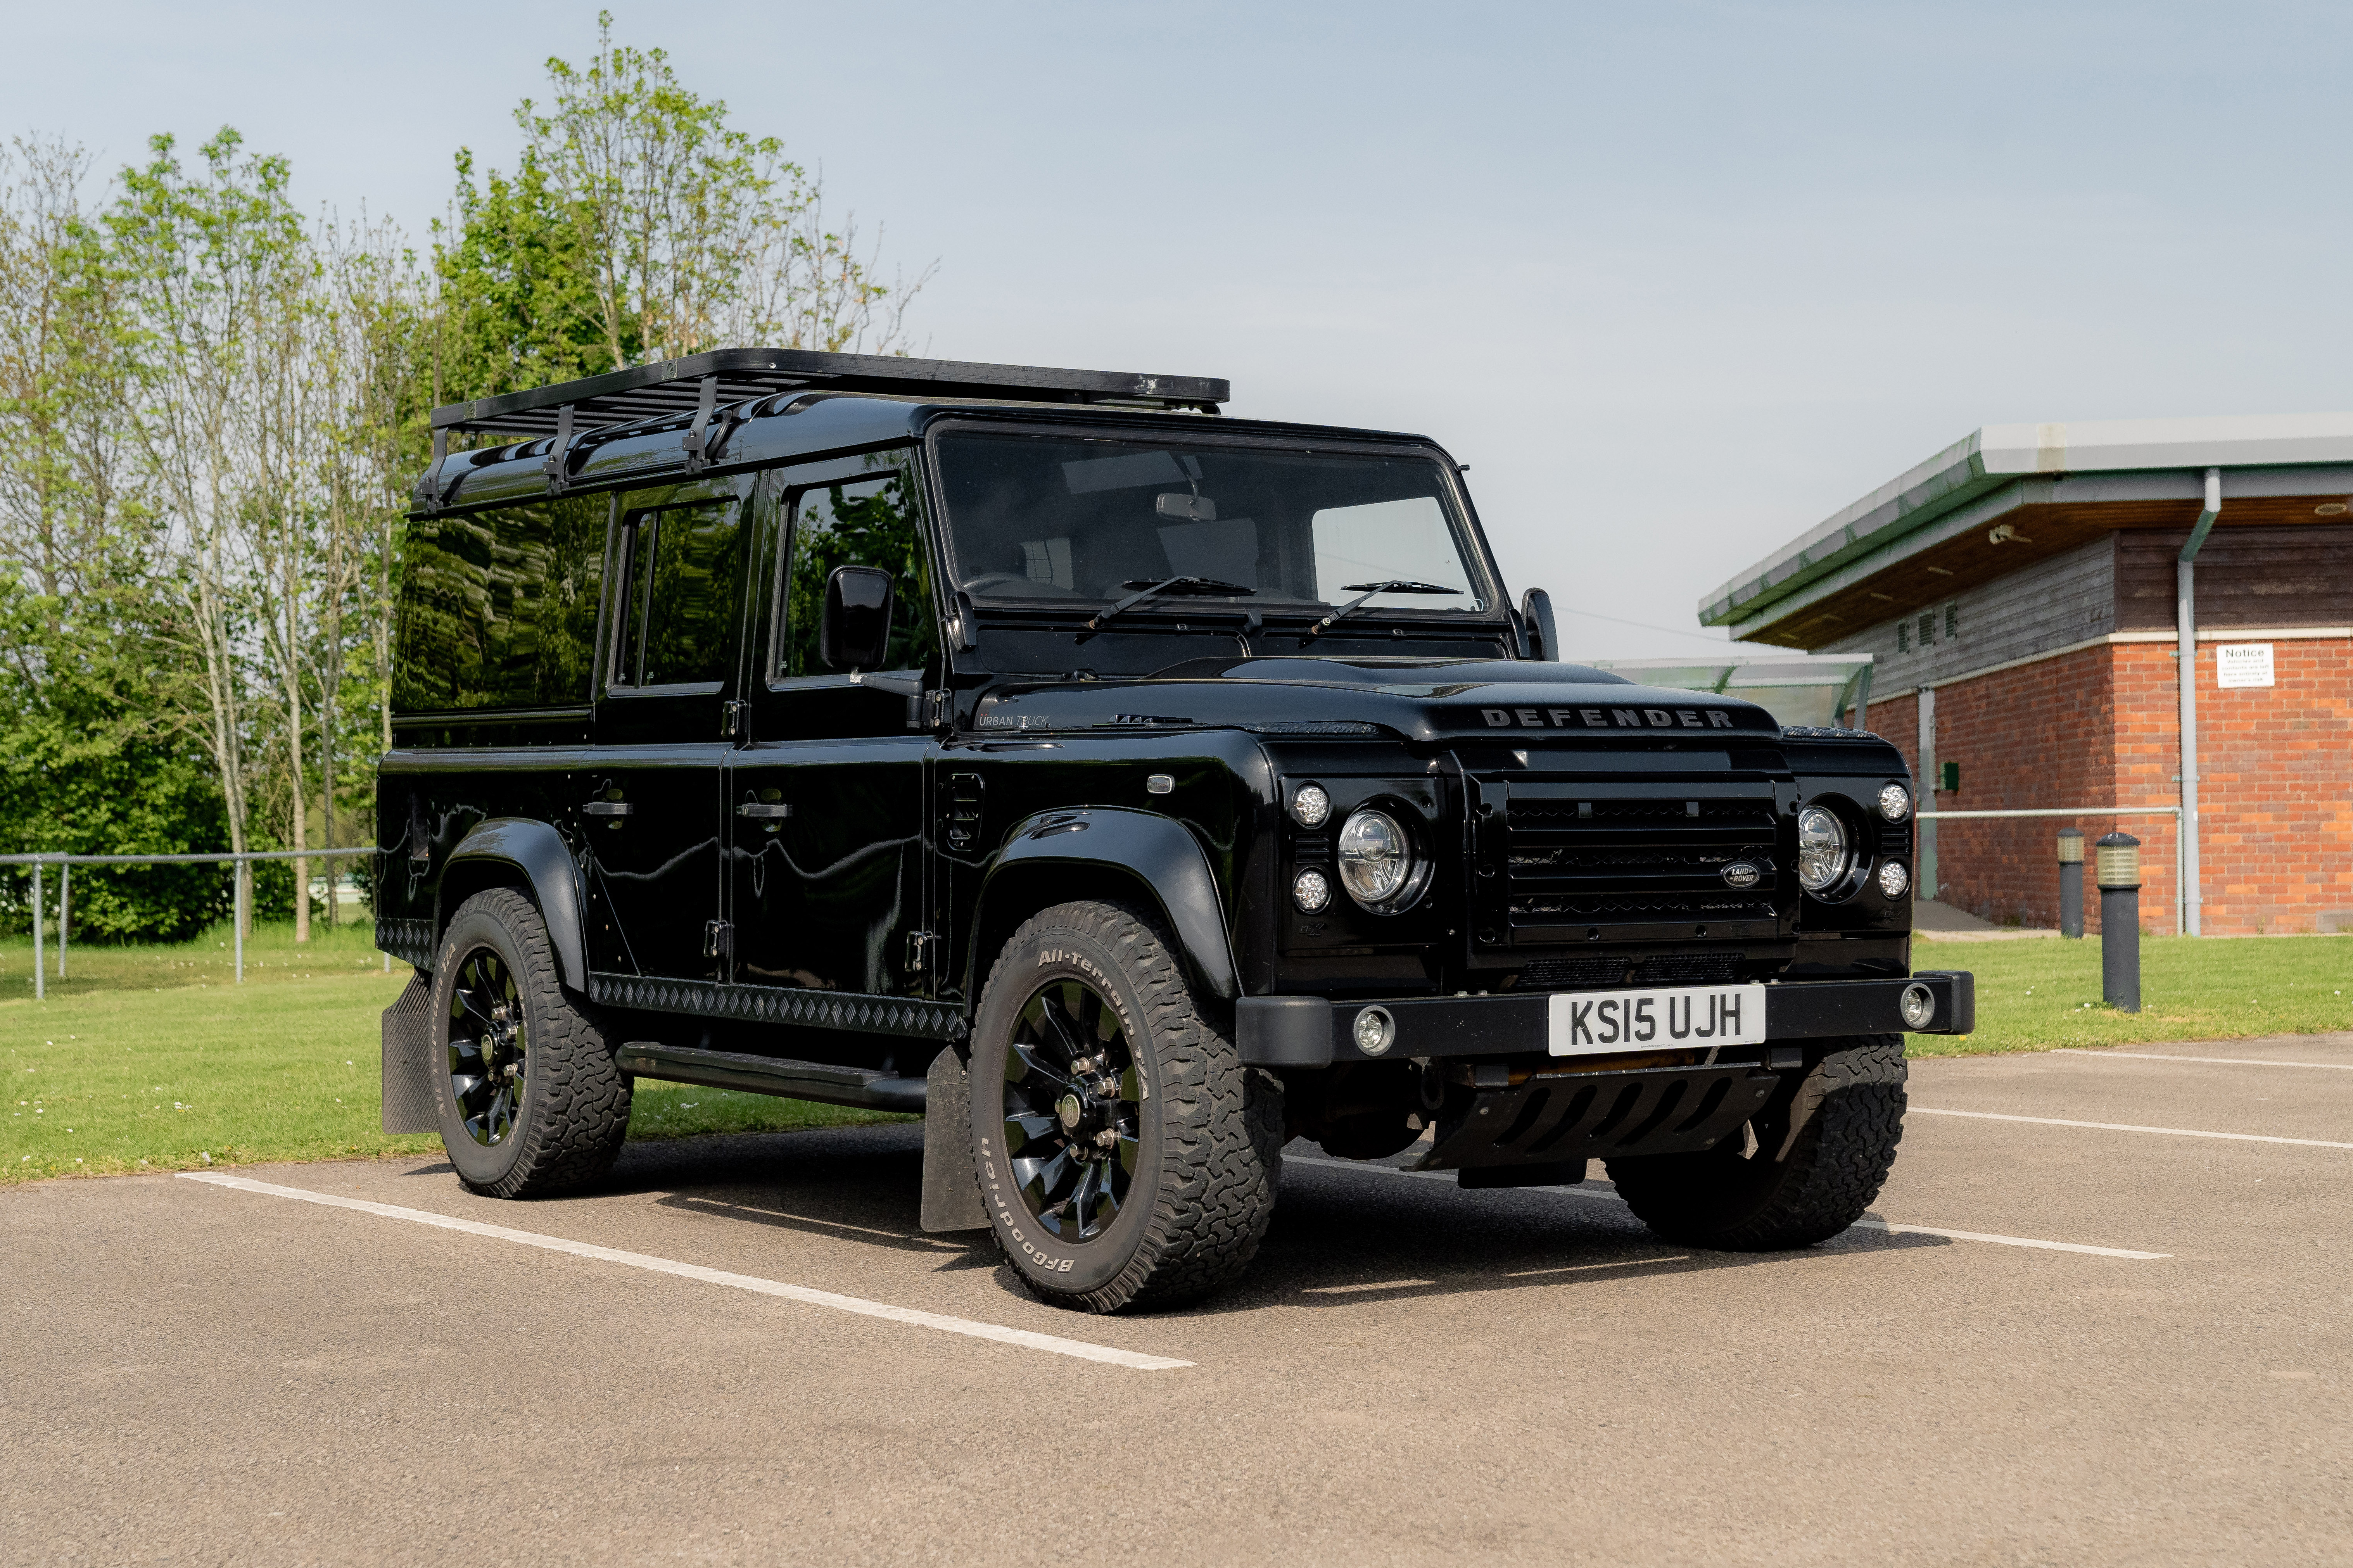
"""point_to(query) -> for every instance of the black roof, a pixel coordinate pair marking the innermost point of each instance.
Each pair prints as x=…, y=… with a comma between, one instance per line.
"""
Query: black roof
x=677, y=387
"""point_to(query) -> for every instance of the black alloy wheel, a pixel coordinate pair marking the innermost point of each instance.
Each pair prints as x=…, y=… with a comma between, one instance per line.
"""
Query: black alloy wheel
x=528, y=1099
x=489, y=1048
x=1072, y=1110
x=1124, y=1156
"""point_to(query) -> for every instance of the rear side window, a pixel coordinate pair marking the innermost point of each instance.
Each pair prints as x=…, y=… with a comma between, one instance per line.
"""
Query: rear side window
x=679, y=569
x=864, y=522
x=498, y=609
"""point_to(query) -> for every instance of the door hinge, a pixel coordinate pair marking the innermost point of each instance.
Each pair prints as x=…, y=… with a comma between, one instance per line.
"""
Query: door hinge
x=935, y=710
x=919, y=952
x=718, y=939
x=736, y=719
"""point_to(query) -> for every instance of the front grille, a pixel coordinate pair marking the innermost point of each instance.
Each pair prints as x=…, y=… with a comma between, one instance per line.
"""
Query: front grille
x=1600, y=971
x=1581, y=862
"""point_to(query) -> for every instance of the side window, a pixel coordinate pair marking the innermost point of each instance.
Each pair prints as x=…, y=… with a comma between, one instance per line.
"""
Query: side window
x=680, y=567
x=862, y=523
x=498, y=609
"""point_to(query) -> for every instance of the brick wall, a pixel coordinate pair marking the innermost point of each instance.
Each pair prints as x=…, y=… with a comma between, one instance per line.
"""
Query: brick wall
x=2100, y=726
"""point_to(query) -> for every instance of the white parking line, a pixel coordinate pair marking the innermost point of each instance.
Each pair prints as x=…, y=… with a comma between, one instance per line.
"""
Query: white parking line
x=801, y=1293
x=2127, y=1127
x=2208, y=1061
x=1866, y=1223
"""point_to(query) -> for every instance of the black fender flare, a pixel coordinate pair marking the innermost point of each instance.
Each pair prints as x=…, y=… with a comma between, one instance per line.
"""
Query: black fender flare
x=539, y=852
x=1158, y=851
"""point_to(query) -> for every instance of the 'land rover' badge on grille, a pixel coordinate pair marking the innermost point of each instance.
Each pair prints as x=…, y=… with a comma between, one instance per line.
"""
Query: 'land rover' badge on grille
x=1741, y=874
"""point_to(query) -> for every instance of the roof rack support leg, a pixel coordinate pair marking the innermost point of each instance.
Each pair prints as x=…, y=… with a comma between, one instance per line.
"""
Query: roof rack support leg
x=559, y=455
x=693, y=438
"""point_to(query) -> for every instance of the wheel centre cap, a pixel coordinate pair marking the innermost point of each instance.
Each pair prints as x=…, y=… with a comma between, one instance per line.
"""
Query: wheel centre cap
x=1069, y=1109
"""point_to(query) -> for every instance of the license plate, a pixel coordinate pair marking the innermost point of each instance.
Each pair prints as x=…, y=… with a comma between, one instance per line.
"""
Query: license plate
x=1587, y=1023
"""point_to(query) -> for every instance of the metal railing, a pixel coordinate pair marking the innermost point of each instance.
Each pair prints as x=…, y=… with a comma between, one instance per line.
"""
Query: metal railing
x=2180, y=909
x=65, y=863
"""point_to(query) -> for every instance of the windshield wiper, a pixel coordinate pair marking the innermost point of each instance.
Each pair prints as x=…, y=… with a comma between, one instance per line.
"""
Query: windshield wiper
x=1209, y=586
x=1365, y=591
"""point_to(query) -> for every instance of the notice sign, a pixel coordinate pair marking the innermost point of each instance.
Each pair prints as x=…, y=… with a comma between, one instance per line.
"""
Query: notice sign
x=2243, y=664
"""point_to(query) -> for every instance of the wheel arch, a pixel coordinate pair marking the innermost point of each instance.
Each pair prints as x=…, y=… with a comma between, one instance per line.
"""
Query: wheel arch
x=529, y=855
x=1117, y=854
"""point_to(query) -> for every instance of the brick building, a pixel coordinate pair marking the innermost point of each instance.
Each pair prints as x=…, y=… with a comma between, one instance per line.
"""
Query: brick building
x=2026, y=596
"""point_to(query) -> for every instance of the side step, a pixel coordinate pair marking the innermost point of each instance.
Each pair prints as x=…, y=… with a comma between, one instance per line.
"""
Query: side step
x=864, y=1087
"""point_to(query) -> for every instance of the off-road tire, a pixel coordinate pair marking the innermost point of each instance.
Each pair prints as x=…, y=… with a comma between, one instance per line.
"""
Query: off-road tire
x=574, y=1112
x=1210, y=1145
x=1850, y=1113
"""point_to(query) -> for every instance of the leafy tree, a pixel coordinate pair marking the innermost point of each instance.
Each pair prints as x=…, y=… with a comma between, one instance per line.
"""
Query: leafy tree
x=640, y=226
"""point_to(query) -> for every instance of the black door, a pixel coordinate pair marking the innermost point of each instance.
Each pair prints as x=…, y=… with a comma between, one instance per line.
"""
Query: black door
x=826, y=802
x=652, y=813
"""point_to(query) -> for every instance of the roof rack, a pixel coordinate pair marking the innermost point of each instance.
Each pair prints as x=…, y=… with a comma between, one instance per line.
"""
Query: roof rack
x=694, y=384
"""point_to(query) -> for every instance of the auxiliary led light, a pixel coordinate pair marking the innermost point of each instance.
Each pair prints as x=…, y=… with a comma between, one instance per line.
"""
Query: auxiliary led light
x=1893, y=878
x=1310, y=806
x=1895, y=803
x=1311, y=890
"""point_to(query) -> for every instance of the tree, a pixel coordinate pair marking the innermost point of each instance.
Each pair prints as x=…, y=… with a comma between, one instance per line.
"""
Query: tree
x=641, y=226
x=211, y=265
x=94, y=755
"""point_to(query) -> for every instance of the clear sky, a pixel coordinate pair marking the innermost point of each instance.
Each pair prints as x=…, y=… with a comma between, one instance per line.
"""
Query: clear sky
x=1676, y=280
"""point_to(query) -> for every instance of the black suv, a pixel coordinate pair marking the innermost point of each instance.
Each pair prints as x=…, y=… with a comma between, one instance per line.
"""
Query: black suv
x=1128, y=789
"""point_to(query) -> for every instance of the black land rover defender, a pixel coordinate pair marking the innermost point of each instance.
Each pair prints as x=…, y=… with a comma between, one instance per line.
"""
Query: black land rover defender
x=1126, y=788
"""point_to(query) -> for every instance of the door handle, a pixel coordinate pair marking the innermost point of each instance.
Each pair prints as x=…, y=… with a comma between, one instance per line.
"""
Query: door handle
x=608, y=808
x=763, y=810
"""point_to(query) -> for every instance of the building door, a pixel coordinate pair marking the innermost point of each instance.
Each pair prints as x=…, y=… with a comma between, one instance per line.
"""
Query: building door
x=826, y=801
x=650, y=818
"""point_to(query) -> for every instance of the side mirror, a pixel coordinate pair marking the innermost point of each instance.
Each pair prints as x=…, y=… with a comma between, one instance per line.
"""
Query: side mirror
x=856, y=632
x=1536, y=614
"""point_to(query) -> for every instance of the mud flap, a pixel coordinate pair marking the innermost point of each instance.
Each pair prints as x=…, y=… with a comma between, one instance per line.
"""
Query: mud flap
x=951, y=1186
x=409, y=1060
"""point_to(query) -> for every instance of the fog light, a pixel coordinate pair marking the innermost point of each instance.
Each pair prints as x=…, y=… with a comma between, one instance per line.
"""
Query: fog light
x=1374, y=1031
x=1918, y=1006
x=1311, y=890
x=1893, y=878
x=1310, y=806
x=1895, y=803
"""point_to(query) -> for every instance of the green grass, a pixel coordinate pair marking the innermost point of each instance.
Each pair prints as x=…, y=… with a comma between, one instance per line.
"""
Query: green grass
x=2033, y=994
x=152, y=1059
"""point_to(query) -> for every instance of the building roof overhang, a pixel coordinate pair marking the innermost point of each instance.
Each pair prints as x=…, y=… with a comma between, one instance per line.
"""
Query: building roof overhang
x=2070, y=479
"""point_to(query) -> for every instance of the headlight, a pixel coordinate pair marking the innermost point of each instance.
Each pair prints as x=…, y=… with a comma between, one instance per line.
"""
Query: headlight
x=1895, y=803
x=1376, y=859
x=1310, y=806
x=1822, y=850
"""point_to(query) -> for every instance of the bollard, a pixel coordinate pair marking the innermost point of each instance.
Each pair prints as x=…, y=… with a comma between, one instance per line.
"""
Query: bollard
x=2071, y=881
x=2120, y=877
x=38, y=991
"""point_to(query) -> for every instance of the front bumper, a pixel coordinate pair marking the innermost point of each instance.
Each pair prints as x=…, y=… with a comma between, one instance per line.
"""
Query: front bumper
x=1315, y=1031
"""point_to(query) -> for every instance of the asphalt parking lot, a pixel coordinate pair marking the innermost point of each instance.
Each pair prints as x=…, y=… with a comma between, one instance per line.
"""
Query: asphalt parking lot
x=745, y=1349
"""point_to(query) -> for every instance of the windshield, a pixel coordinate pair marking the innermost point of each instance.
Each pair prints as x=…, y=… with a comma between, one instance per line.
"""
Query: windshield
x=1056, y=520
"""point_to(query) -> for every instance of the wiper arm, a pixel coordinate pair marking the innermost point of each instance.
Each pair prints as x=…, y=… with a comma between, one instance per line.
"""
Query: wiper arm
x=1210, y=586
x=1367, y=591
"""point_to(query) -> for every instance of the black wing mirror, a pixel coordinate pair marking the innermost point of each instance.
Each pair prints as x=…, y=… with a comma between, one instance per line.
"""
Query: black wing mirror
x=856, y=633
x=1535, y=616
